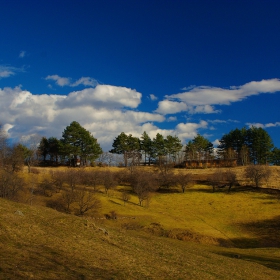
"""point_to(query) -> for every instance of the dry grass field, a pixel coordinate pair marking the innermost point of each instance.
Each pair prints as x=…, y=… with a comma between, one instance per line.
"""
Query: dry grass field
x=193, y=235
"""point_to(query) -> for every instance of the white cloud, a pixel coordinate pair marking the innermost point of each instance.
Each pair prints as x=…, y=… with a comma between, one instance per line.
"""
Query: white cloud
x=61, y=81
x=172, y=119
x=216, y=121
x=101, y=110
x=201, y=99
x=203, y=109
x=66, y=81
x=103, y=96
x=22, y=54
x=187, y=131
x=153, y=97
x=264, y=125
x=8, y=71
x=216, y=142
x=189, y=87
x=85, y=81
x=212, y=95
x=170, y=107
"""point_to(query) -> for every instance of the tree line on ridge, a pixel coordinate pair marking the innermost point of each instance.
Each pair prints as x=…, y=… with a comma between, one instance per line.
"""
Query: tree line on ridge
x=79, y=147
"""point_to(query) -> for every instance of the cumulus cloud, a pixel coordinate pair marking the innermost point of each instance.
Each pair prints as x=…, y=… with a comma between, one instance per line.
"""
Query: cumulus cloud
x=103, y=96
x=170, y=107
x=66, y=81
x=105, y=111
x=201, y=99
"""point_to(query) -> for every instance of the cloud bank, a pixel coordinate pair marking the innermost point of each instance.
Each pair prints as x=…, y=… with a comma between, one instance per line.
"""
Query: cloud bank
x=107, y=110
x=104, y=110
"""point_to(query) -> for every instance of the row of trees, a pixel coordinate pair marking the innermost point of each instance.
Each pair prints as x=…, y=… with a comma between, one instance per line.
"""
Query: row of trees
x=199, y=148
x=78, y=187
x=246, y=146
x=158, y=148
x=254, y=175
x=78, y=146
x=253, y=145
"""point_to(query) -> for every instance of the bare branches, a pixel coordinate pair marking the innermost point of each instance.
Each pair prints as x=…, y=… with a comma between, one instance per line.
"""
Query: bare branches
x=87, y=201
x=184, y=180
x=257, y=174
x=143, y=183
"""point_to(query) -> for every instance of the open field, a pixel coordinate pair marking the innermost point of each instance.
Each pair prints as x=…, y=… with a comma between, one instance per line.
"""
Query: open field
x=191, y=235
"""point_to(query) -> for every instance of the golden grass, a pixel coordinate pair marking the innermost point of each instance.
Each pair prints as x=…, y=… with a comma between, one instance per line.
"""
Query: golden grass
x=45, y=244
x=145, y=242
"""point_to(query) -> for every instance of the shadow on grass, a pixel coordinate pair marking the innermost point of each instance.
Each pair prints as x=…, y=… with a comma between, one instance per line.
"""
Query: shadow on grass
x=265, y=232
x=266, y=235
x=270, y=262
x=114, y=202
x=199, y=190
x=45, y=261
x=168, y=190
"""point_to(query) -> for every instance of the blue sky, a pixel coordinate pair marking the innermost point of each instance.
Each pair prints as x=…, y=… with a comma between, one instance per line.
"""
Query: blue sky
x=173, y=67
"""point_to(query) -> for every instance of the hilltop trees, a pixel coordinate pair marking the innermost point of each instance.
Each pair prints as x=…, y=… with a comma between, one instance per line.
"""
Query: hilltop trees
x=50, y=147
x=260, y=145
x=161, y=149
x=78, y=142
x=274, y=157
x=199, y=149
x=146, y=147
x=77, y=145
x=246, y=145
x=127, y=145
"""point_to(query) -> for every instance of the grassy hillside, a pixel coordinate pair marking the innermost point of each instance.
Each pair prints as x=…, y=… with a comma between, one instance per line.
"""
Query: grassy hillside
x=191, y=235
x=40, y=243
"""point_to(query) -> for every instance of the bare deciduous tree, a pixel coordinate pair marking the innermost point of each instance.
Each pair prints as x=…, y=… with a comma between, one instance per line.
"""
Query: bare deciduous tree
x=10, y=184
x=165, y=180
x=68, y=197
x=217, y=179
x=257, y=174
x=87, y=201
x=31, y=152
x=143, y=183
x=230, y=178
x=92, y=179
x=183, y=180
x=123, y=177
x=47, y=187
x=109, y=181
x=71, y=180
